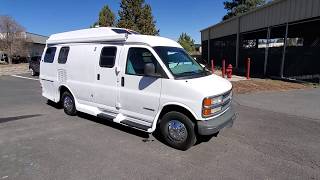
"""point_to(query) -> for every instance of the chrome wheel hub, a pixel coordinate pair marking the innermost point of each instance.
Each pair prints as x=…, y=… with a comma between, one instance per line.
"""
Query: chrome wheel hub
x=177, y=131
x=68, y=103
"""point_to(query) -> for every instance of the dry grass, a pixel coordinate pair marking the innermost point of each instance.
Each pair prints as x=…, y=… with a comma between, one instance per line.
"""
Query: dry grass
x=10, y=69
x=256, y=85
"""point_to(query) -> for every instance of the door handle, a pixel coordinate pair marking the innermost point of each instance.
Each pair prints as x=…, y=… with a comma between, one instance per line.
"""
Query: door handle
x=98, y=76
x=122, y=81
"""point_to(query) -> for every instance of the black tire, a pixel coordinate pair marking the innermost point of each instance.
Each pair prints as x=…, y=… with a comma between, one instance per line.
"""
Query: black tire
x=68, y=104
x=176, y=119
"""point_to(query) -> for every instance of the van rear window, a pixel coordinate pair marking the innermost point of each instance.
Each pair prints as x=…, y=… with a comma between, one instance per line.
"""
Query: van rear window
x=49, y=56
x=108, y=56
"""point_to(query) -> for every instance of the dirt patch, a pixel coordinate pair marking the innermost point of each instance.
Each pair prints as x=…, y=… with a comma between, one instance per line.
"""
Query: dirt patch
x=256, y=85
x=13, y=69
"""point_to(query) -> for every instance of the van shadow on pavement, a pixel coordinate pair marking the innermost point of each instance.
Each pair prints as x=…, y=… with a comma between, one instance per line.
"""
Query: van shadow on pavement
x=146, y=136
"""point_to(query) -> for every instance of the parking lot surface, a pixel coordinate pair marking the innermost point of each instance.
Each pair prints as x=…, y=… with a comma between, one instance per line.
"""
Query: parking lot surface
x=38, y=141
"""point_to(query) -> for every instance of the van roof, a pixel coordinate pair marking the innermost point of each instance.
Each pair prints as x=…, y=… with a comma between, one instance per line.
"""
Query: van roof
x=109, y=34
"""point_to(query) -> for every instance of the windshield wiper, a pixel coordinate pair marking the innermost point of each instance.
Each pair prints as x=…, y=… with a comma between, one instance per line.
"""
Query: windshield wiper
x=189, y=73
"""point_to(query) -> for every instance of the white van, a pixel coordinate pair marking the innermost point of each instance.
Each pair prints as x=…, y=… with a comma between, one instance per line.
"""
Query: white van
x=145, y=82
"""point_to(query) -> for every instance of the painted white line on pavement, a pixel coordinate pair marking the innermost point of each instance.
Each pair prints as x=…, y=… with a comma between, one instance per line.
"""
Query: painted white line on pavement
x=25, y=77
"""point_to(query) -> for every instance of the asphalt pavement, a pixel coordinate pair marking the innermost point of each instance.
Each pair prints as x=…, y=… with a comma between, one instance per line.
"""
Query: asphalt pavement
x=276, y=136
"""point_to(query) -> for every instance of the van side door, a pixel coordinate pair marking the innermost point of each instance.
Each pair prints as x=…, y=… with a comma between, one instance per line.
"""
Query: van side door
x=106, y=90
x=139, y=94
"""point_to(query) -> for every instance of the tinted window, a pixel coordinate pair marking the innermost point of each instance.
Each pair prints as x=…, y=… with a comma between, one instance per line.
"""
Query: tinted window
x=63, y=55
x=49, y=56
x=137, y=58
x=108, y=56
x=121, y=31
x=124, y=31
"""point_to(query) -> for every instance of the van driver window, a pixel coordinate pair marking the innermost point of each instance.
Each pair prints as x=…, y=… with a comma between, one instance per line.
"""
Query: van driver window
x=50, y=53
x=137, y=58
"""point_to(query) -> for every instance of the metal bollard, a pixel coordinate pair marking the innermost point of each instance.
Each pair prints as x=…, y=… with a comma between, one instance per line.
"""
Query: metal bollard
x=212, y=66
x=229, y=71
x=248, y=68
x=223, y=67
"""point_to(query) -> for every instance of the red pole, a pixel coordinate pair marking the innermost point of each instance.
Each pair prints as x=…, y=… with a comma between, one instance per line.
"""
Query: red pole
x=248, y=68
x=212, y=66
x=223, y=67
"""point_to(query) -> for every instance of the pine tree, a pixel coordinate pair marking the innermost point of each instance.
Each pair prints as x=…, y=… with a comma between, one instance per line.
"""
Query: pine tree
x=106, y=18
x=186, y=42
x=137, y=16
x=237, y=7
x=147, y=22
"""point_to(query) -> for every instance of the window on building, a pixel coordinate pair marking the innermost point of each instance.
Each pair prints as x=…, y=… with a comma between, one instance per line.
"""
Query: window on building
x=63, y=55
x=49, y=56
x=108, y=56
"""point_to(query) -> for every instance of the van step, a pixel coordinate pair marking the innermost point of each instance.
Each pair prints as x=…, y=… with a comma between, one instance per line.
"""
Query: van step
x=136, y=125
x=106, y=117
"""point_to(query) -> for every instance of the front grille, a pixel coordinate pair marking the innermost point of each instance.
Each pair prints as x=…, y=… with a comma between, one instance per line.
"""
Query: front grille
x=226, y=100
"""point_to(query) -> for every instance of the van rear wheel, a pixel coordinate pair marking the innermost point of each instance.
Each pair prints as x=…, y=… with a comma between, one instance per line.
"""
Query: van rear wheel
x=68, y=104
x=178, y=130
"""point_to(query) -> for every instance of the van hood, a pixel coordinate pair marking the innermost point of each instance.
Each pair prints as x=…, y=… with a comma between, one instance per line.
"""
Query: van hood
x=211, y=85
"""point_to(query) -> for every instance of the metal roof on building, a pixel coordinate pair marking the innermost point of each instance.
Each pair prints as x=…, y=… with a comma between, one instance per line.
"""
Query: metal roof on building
x=36, y=38
x=272, y=14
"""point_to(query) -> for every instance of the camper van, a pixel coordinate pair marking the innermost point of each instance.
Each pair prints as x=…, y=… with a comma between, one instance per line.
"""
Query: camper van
x=144, y=82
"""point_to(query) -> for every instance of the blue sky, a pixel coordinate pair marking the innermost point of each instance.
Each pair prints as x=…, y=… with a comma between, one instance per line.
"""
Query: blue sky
x=172, y=16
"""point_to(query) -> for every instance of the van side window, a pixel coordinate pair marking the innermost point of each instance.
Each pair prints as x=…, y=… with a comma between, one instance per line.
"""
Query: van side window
x=63, y=55
x=49, y=56
x=108, y=56
x=137, y=58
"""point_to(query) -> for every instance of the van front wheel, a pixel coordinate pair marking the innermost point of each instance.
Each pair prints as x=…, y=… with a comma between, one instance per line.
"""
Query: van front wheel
x=68, y=104
x=178, y=130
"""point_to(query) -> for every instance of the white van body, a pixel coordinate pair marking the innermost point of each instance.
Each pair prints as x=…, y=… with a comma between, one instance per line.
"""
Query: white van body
x=138, y=101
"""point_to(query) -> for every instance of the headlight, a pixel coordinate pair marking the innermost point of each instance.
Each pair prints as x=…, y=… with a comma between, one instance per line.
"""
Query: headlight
x=209, y=102
x=212, y=106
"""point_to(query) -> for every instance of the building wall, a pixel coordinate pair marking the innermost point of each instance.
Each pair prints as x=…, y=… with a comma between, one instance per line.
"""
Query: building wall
x=36, y=49
x=282, y=39
x=277, y=12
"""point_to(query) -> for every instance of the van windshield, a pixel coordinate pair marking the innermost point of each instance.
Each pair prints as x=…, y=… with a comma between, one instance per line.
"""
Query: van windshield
x=180, y=63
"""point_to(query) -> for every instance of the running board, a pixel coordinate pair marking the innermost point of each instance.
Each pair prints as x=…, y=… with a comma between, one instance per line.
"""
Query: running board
x=135, y=125
x=106, y=117
x=125, y=122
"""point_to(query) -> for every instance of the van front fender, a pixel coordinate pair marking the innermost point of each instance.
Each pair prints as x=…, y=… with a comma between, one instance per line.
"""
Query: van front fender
x=156, y=119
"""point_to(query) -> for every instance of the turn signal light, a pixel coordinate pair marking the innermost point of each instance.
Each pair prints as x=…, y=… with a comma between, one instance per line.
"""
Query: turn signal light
x=207, y=102
x=206, y=112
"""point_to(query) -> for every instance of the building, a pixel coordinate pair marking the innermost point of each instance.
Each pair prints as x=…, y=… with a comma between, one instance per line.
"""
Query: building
x=282, y=39
x=35, y=43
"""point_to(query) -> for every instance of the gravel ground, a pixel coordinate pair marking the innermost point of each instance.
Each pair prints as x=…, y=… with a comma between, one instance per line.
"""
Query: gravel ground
x=13, y=69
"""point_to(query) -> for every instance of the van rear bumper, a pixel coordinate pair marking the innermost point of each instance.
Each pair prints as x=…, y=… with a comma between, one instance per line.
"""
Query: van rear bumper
x=214, y=125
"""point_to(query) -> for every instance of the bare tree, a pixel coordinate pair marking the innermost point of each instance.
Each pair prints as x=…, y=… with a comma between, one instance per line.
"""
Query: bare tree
x=13, y=37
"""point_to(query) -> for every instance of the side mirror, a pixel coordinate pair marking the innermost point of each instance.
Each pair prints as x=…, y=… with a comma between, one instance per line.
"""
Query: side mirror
x=149, y=69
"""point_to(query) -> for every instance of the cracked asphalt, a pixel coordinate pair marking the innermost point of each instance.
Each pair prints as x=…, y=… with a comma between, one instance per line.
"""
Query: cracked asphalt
x=276, y=136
